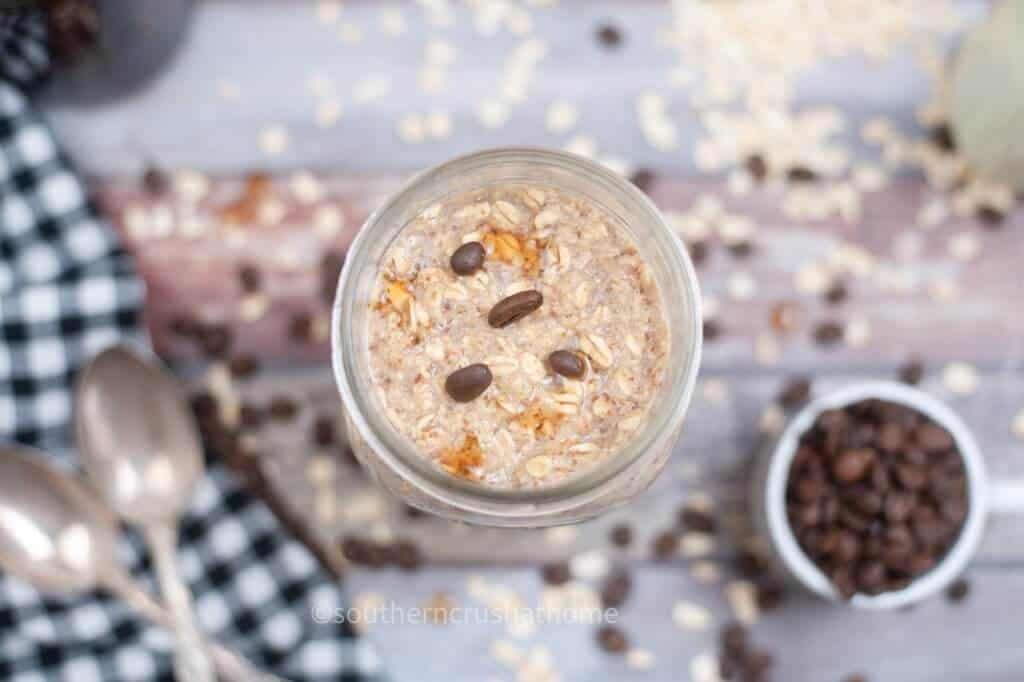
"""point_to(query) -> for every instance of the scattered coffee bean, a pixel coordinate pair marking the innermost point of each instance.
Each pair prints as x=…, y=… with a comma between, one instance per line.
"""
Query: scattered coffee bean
x=300, y=328
x=282, y=408
x=330, y=270
x=407, y=555
x=514, y=307
x=801, y=174
x=751, y=565
x=154, y=181
x=251, y=416
x=250, y=278
x=712, y=330
x=556, y=573
x=769, y=595
x=757, y=167
x=828, y=333
x=185, y=326
x=323, y=431
x=468, y=383
x=615, y=590
x=204, y=406
x=795, y=393
x=609, y=36
x=836, y=293
x=739, y=659
x=855, y=678
x=876, y=495
x=468, y=258
x=568, y=364
x=741, y=249
x=643, y=179
x=696, y=520
x=215, y=340
x=612, y=639
x=243, y=366
x=698, y=252
x=958, y=590
x=942, y=137
x=621, y=535
x=990, y=216
x=665, y=545
x=912, y=372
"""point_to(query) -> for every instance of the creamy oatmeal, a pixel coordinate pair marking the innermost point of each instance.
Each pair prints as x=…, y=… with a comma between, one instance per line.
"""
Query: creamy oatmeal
x=516, y=335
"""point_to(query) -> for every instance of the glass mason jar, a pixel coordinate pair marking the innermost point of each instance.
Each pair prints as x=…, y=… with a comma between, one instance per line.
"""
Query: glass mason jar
x=394, y=462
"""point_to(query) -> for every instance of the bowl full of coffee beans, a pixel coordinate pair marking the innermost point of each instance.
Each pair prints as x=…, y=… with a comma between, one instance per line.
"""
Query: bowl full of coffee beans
x=874, y=495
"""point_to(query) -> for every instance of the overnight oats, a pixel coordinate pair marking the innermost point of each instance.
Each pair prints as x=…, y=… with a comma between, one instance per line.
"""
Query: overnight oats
x=515, y=339
x=517, y=336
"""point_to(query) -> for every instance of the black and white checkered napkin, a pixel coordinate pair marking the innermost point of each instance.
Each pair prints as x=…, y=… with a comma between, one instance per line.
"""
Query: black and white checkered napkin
x=67, y=290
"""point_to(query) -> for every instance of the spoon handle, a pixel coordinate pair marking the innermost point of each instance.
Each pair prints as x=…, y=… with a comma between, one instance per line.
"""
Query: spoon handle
x=191, y=663
x=230, y=666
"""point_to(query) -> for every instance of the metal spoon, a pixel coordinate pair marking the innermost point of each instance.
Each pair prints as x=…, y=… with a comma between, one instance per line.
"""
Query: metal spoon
x=57, y=535
x=139, y=446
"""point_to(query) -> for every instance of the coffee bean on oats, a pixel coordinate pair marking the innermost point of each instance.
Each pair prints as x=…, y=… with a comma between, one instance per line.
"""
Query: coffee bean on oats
x=612, y=639
x=468, y=383
x=514, y=307
x=568, y=364
x=468, y=258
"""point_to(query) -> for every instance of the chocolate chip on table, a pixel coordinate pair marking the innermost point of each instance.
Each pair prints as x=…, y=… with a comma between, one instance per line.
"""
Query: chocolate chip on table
x=250, y=278
x=990, y=216
x=828, y=333
x=204, y=406
x=609, y=36
x=282, y=408
x=712, y=330
x=698, y=252
x=251, y=416
x=468, y=383
x=912, y=372
x=615, y=589
x=568, y=364
x=741, y=249
x=407, y=555
x=185, y=326
x=876, y=495
x=665, y=545
x=243, y=366
x=468, y=258
x=514, y=307
x=621, y=535
x=958, y=590
x=612, y=639
x=555, y=573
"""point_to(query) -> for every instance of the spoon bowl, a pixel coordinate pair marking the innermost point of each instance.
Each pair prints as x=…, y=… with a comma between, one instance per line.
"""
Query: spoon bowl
x=138, y=439
x=54, y=532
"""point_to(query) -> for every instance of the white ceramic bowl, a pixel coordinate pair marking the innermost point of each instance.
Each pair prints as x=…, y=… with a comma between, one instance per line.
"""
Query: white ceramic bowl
x=769, y=496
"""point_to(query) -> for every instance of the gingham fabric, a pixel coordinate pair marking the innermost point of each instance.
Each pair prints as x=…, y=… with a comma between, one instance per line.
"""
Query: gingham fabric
x=66, y=291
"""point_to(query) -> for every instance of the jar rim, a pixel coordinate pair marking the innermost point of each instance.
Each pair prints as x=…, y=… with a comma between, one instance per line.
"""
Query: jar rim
x=409, y=464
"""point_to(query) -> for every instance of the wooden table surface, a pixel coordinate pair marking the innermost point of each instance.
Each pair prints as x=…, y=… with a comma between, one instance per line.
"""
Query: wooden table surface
x=247, y=66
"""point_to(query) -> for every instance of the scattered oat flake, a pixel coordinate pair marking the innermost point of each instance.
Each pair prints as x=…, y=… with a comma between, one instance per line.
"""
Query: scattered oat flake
x=964, y=246
x=411, y=129
x=742, y=597
x=371, y=88
x=439, y=124
x=328, y=113
x=705, y=572
x=690, y=616
x=857, y=333
x=392, y=21
x=960, y=378
x=328, y=11
x=692, y=545
x=715, y=391
x=306, y=187
x=705, y=668
x=582, y=145
x=253, y=307
x=228, y=90
x=328, y=221
x=589, y=566
x=640, y=659
x=274, y=140
x=562, y=116
x=1018, y=424
x=561, y=536
x=492, y=112
x=772, y=420
x=741, y=286
x=350, y=33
